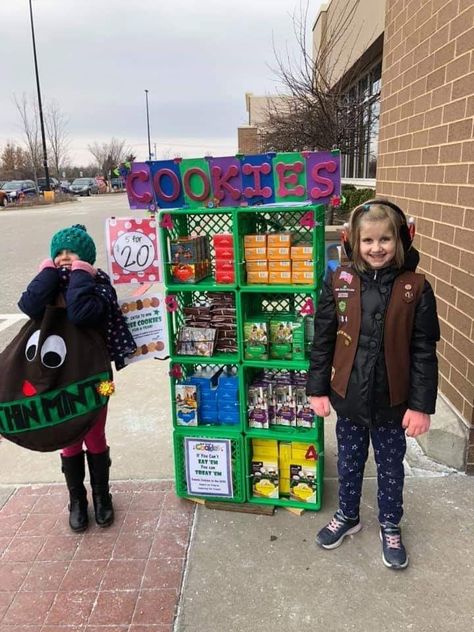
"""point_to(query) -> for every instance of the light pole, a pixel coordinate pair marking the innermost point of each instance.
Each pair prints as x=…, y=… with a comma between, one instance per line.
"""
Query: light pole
x=40, y=107
x=147, y=123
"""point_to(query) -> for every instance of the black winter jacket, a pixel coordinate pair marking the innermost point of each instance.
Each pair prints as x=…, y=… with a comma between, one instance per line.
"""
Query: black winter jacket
x=367, y=400
x=84, y=307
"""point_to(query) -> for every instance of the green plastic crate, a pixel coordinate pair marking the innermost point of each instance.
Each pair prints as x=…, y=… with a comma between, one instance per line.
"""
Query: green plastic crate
x=187, y=369
x=267, y=304
x=285, y=500
x=237, y=464
x=264, y=219
x=202, y=221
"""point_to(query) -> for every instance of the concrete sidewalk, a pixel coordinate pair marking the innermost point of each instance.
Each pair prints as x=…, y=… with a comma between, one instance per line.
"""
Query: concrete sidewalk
x=241, y=572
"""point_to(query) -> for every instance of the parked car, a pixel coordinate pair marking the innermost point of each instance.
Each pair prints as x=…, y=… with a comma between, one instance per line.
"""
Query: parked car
x=65, y=186
x=118, y=184
x=84, y=186
x=16, y=189
x=53, y=183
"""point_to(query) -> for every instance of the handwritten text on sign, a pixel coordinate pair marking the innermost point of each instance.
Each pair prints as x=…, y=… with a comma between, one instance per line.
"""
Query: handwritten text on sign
x=132, y=250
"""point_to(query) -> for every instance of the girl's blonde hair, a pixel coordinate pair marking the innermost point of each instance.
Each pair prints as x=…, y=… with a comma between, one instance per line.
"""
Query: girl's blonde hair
x=377, y=212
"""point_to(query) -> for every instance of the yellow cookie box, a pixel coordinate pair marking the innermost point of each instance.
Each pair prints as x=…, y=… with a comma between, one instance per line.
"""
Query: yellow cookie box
x=257, y=277
x=280, y=239
x=302, y=277
x=257, y=266
x=255, y=241
x=279, y=266
x=303, y=252
x=278, y=253
x=279, y=277
x=255, y=254
x=265, y=469
x=298, y=265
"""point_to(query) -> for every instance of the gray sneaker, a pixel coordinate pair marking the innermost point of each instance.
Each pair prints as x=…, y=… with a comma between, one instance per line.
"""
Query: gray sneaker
x=394, y=554
x=332, y=535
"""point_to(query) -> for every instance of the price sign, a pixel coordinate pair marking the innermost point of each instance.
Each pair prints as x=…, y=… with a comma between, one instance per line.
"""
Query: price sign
x=132, y=250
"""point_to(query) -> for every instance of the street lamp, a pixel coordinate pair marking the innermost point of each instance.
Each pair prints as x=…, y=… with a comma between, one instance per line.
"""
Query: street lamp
x=40, y=107
x=147, y=123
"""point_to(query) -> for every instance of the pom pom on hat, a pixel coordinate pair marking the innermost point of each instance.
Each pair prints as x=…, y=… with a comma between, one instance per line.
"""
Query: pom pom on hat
x=76, y=239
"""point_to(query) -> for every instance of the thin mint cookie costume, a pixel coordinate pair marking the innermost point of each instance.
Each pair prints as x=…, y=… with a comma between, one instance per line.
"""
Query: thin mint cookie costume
x=374, y=358
x=56, y=373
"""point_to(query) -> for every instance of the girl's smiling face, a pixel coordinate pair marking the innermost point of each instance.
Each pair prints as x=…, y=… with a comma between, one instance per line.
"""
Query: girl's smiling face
x=377, y=243
x=65, y=258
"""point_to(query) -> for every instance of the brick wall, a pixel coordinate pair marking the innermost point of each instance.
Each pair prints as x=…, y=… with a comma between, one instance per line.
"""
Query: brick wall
x=248, y=140
x=426, y=165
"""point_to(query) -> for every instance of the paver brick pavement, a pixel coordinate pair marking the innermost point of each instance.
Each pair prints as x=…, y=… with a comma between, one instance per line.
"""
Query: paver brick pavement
x=126, y=578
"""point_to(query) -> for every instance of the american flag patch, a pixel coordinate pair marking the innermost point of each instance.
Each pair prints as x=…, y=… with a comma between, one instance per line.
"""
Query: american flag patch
x=346, y=276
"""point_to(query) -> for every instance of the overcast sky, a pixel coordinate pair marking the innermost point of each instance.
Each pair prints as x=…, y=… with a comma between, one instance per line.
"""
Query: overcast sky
x=197, y=58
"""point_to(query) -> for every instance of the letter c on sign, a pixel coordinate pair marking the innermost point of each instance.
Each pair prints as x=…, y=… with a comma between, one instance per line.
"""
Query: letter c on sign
x=143, y=176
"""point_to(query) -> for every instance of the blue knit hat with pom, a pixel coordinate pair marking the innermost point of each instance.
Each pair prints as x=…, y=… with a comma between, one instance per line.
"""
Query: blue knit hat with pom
x=76, y=239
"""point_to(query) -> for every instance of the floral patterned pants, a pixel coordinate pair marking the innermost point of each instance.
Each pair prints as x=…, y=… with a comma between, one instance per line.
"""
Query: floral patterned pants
x=389, y=444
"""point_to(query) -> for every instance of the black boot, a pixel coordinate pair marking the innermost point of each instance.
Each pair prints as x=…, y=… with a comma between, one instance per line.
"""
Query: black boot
x=99, y=465
x=74, y=470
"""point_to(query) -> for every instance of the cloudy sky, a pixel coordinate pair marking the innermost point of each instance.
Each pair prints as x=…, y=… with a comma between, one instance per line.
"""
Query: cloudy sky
x=197, y=58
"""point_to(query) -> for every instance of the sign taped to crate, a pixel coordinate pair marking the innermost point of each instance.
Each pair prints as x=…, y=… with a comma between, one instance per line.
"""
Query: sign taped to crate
x=146, y=320
x=132, y=250
x=208, y=467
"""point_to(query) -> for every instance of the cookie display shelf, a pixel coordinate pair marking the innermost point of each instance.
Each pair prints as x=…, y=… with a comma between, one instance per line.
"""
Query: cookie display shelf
x=263, y=300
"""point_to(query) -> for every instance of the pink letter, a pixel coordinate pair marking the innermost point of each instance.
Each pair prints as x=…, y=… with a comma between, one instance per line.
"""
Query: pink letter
x=256, y=170
x=174, y=180
x=220, y=182
x=330, y=166
x=187, y=184
x=143, y=177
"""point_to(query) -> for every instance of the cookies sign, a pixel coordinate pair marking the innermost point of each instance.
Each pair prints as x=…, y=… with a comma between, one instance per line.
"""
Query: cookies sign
x=132, y=250
x=146, y=320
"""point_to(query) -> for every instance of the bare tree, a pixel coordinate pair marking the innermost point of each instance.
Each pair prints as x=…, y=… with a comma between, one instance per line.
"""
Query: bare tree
x=14, y=162
x=58, y=136
x=30, y=121
x=109, y=155
x=317, y=111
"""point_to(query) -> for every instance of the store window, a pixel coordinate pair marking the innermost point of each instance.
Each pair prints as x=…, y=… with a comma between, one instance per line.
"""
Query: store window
x=363, y=98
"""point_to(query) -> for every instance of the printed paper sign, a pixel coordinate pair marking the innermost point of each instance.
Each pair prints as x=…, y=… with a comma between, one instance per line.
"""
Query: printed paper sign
x=132, y=250
x=208, y=467
x=146, y=319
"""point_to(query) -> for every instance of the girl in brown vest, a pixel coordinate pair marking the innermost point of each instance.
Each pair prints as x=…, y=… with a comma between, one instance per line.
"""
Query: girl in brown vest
x=374, y=359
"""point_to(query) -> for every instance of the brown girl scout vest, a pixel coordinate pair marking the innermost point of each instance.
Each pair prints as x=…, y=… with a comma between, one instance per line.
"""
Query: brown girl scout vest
x=399, y=317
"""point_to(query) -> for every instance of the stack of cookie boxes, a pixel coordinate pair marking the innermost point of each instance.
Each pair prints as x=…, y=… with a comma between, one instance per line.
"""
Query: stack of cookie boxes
x=275, y=258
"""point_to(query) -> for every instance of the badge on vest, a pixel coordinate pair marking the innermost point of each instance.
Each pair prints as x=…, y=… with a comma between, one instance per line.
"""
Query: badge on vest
x=346, y=276
x=408, y=294
x=347, y=339
x=342, y=305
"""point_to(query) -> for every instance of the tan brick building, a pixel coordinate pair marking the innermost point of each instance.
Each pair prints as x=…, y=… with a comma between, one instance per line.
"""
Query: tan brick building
x=415, y=62
x=426, y=164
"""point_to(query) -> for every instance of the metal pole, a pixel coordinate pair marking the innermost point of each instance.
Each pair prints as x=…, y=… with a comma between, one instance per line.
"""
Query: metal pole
x=147, y=124
x=40, y=107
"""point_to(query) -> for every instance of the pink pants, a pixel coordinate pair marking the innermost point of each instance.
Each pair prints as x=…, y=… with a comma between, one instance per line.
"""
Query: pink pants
x=94, y=439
